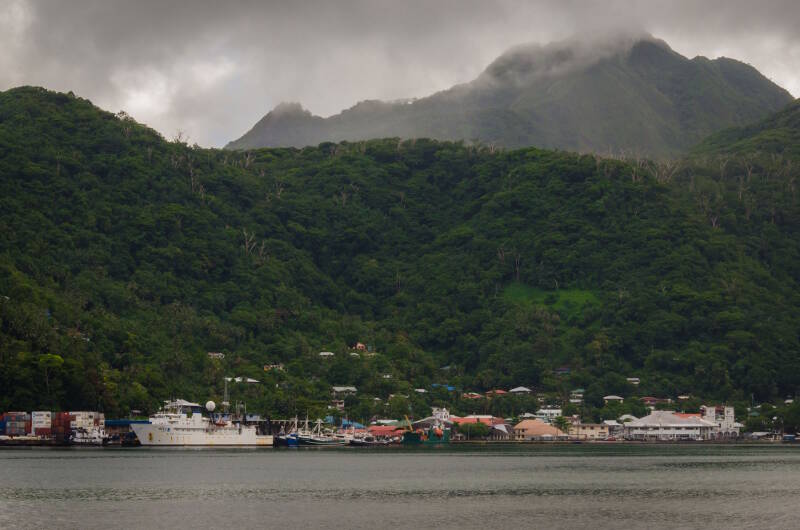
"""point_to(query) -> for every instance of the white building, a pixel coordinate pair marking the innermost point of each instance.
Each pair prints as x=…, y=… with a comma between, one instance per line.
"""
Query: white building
x=723, y=418
x=669, y=425
x=339, y=391
x=520, y=390
x=548, y=415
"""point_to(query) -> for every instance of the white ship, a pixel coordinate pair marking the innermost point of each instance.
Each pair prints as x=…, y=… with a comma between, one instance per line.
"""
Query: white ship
x=182, y=423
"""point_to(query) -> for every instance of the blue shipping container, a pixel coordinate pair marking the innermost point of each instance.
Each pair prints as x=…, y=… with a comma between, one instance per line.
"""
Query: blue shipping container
x=2, y=426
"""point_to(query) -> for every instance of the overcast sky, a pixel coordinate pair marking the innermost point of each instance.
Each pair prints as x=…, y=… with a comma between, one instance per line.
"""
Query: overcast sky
x=212, y=68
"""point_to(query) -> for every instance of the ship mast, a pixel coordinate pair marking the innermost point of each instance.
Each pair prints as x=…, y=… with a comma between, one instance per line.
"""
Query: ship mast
x=225, y=402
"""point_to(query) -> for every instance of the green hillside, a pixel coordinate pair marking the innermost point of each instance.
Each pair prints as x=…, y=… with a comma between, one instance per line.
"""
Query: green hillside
x=632, y=95
x=125, y=258
x=777, y=135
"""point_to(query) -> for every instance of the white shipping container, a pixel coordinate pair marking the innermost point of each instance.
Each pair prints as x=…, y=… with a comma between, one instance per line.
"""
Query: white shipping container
x=41, y=418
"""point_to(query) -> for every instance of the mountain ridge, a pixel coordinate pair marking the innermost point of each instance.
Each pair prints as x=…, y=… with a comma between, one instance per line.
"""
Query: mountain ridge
x=635, y=95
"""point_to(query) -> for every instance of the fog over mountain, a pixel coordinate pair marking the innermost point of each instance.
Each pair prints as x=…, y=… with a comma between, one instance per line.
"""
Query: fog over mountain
x=621, y=94
x=211, y=69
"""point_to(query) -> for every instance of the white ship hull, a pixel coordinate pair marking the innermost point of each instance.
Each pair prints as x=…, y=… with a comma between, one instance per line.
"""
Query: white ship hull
x=170, y=435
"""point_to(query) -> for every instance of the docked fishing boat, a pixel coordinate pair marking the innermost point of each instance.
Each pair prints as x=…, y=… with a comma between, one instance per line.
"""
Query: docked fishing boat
x=182, y=423
x=287, y=437
x=317, y=437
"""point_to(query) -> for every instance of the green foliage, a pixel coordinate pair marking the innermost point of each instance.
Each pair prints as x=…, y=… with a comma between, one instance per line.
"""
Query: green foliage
x=474, y=431
x=130, y=257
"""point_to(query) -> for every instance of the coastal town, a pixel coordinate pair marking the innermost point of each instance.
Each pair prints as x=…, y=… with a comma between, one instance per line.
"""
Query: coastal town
x=182, y=422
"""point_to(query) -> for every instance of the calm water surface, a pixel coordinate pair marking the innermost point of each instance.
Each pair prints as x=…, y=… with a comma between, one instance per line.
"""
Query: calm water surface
x=579, y=486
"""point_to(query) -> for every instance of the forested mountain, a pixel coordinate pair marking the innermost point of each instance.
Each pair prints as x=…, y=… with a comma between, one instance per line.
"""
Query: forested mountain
x=125, y=258
x=631, y=95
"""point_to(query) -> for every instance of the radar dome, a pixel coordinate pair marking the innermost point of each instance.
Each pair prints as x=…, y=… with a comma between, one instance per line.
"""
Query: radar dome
x=210, y=406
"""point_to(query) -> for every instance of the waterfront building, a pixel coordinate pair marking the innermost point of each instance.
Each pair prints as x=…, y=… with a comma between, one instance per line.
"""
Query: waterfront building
x=668, y=425
x=589, y=431
x=614, y=427
x=723, y=418
x=536, y=429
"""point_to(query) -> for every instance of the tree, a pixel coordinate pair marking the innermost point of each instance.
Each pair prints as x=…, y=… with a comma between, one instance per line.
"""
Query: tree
x=563, y=424
x=49, y=363
x=474, y=431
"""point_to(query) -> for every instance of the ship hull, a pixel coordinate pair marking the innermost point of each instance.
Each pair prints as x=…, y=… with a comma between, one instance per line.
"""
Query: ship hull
x=428, y=438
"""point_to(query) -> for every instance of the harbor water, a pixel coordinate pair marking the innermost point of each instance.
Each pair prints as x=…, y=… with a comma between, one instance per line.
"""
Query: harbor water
x=531, y=486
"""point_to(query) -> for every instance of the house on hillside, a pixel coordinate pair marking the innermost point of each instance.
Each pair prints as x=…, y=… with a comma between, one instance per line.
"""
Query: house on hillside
x=651, y=402
x=548, y=414
x=612, y=399
x=273, y=367
x=216, y=355
x=342, y=391
x=326, y=354
x=520, y=390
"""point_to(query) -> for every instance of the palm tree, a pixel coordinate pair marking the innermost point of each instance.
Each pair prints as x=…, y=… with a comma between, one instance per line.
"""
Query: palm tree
x=562, y=424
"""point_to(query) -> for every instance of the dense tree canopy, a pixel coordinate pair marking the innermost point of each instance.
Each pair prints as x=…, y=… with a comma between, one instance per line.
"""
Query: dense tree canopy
x=126, y=258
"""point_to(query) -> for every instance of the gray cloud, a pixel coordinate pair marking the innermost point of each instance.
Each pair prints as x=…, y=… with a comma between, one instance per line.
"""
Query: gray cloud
x=213, y=68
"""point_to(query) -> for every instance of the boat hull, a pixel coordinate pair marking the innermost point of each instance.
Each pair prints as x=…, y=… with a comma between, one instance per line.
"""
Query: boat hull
x=302, y=441
x=429, y=437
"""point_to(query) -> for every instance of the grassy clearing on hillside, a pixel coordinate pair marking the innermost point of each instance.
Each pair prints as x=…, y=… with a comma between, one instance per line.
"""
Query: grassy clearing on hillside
x=568, y=300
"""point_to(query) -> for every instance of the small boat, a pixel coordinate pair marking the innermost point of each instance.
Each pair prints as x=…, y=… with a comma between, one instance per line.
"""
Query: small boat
x=368, y=441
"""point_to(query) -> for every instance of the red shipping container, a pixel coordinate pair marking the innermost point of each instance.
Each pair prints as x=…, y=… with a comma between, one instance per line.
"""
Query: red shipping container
x=43, y=431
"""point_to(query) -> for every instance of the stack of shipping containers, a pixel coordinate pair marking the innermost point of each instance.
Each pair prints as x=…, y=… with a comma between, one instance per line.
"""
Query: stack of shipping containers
x=17, y=423
x=41, y=423
x=87, y=420
x=61, y=425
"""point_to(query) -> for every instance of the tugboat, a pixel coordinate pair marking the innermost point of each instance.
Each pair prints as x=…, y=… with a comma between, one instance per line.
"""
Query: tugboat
x=94, y=436
x=434, y=430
